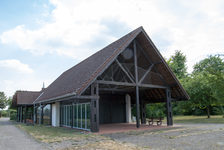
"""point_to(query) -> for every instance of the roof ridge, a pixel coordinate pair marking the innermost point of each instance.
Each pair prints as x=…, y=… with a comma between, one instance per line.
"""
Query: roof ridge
x=27, y=91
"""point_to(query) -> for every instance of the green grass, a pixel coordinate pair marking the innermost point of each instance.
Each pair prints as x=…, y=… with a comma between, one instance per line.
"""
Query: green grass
x=91, y=141
x=49, y=134
x=198, y=119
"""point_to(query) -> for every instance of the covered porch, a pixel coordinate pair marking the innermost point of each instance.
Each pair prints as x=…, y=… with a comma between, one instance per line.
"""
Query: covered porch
x=135, y=78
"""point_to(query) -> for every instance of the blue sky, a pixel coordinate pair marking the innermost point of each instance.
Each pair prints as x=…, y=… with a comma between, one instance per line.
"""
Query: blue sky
x=40, y=39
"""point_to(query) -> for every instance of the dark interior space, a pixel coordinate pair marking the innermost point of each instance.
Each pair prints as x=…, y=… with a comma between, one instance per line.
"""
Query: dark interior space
x=112, y=109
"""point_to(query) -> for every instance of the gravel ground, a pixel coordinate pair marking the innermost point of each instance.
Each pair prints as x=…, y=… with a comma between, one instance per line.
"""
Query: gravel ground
x=184, y=137
x=180, y=137
x=11, y=138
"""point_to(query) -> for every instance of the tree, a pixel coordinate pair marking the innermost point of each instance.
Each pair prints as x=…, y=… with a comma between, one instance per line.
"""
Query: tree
x=208, y=83
x=177, y=63
x=3, y=100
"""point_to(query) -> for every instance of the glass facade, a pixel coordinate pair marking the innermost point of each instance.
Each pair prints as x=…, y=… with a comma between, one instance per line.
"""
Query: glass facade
x=38, y=115
x=78, y=113
x=47, y=115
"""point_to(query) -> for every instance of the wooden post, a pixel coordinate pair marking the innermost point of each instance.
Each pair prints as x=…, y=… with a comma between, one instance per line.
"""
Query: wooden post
x=17, y=114
x=137, y=87
x=169, y=108
x=142, y=110
x=94, y=108
x=21, y=113
x=51, y=114
x=42, y=114
x=25, y=114
x=34, y=114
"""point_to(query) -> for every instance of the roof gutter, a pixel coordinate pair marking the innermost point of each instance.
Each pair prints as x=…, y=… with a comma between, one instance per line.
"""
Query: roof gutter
x=55, y=98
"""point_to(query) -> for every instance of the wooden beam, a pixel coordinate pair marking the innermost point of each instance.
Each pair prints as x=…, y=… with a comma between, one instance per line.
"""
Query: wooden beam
x=137, y=88
x=147, y=57
x=70, y=98
x=115, y=83
x=161, y=77
x=124, y=71
x=152, y=86
x=143, y=77
x=115, y=90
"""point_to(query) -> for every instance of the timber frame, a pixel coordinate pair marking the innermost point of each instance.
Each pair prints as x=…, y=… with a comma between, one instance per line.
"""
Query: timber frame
x=131, y=65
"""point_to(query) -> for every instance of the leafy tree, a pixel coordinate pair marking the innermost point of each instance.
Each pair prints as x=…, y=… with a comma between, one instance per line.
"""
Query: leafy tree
x=177, y=63
x=3, y=100
x=200, y=92
x=10, y=104
x=207, y=83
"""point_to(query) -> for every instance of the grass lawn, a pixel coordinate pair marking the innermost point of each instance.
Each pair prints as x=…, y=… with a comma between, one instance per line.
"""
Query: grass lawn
x=198, y=119
x=75, y=139
x=49, y=134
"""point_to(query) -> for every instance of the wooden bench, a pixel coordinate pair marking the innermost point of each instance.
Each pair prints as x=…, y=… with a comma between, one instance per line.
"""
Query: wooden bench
x=157, y=120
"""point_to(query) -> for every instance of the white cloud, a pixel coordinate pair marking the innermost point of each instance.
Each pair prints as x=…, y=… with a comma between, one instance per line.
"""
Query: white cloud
x=15, y=65
x=10, y=86
x=194, y=26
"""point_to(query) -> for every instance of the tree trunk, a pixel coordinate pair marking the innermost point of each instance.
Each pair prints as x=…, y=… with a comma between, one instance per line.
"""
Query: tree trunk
x=208, y=111
x=222, y=111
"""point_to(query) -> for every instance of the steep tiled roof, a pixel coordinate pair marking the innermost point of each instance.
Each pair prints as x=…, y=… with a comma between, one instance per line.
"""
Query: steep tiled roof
x=25, y=97
x=78, y=77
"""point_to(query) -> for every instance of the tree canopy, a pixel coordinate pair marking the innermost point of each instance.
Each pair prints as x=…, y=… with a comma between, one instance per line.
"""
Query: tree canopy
x=177, y=63
x=3, y=100
x=204, y=85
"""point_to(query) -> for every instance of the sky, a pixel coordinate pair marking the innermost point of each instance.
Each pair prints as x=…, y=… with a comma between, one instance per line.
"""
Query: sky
x=40, y=39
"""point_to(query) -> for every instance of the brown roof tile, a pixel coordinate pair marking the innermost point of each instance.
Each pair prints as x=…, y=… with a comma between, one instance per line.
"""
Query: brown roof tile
x=76, y=79
x=25, y=97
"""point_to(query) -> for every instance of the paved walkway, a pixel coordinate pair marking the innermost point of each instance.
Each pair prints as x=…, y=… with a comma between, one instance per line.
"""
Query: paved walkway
x=11, y=138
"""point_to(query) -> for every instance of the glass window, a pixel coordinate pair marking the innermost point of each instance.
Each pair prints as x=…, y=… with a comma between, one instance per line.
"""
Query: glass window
x=79, y=116
x=74, y=116
x=38, y=114
x=47, y=114
x=83, y=116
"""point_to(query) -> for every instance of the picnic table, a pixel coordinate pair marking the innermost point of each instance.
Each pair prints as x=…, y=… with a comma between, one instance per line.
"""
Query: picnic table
x=158, y=121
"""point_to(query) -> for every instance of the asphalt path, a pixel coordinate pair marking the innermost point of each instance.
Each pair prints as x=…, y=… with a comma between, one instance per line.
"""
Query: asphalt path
x=12, y=138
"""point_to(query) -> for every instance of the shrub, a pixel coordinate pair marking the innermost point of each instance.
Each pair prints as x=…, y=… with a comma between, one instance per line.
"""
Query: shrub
x=13, y=114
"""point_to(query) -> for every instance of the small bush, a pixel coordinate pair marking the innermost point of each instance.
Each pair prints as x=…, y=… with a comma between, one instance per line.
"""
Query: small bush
x=13, y=115
x=4, y=113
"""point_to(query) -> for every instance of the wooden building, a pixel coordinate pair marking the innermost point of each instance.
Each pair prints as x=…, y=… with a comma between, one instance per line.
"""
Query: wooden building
x=23, y=101
x=102, y=88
